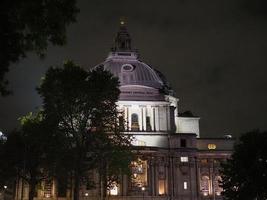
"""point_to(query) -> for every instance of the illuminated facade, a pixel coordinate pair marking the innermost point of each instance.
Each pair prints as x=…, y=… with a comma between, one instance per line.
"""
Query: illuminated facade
x=174, y=162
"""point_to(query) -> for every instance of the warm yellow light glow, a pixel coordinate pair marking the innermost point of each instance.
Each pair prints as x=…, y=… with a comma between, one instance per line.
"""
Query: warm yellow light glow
x=212, y=146
x=161, y=187
x=139, y=173
x=122, y=22
x=114, y=190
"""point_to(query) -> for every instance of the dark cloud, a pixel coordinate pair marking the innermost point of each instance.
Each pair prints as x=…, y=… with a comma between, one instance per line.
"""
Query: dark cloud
x=213, y=53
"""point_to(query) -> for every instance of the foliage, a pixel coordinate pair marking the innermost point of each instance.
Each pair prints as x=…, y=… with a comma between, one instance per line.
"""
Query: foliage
x=244, y=175
x=29, y=152
x=83, y=105
x=31, y=26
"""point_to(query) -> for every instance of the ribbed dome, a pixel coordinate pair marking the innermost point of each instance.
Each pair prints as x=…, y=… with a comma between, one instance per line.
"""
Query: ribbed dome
x=131, y=71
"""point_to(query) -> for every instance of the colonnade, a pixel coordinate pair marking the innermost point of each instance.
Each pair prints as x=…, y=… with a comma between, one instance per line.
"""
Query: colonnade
x=150, y=117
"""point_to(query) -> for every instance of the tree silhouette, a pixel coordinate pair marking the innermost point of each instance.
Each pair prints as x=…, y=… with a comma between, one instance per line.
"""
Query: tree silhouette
x=31, y=25
x=83, y=105
x=244, y=175
x=29, y=153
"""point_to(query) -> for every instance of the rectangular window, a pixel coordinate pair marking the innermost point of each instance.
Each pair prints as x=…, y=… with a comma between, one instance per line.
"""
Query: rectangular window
x=161, y=187
x=139, y=173
x=184, y=159
x=185, y=185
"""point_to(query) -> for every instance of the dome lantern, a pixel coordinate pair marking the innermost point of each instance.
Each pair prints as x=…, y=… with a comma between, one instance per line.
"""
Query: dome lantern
x=122, y=40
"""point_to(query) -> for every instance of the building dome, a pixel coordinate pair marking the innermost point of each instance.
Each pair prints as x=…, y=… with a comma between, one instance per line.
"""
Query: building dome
x=132, y=71
x=125, y=64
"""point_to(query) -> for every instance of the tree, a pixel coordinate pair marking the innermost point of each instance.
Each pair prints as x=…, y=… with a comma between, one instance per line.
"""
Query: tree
x=31, y=25
x=113, y=157
x=244, y=175
x=83, y=104
x=29, y=152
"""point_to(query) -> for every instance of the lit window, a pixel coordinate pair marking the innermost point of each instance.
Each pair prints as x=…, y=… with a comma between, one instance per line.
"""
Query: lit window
x=185, y=185
x=114, y=189
x=184, y=159
x=212, y=146
x=139, y=173
x=161, y=187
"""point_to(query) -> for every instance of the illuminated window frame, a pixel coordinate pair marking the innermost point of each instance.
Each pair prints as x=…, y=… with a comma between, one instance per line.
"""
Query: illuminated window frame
x=185, y=185
x=184, y=159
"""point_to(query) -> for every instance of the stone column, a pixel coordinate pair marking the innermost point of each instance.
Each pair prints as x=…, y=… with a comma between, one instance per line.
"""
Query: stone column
x=129, y=118
x=126, y=117
x=157, y=126
x=152, y=114
x=198, y=178
x=152, y=168
x=156, y=185
x=211, y=192
x=168, y=125
x=140, y=117
x=144, y=117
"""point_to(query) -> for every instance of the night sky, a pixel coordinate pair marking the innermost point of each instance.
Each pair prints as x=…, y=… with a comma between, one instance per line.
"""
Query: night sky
x=213, y=53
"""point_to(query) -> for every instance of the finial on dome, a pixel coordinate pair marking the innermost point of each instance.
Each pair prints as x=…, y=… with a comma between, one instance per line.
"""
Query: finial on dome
x=122, y=21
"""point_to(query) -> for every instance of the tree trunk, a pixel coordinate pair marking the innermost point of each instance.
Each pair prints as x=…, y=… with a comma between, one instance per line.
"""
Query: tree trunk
x=103, y=186
x=76, y=187
x=32, y=186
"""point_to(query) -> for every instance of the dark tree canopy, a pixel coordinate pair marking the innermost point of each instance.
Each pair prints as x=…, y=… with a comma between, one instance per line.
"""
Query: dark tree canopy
x=29, y=152
x=31, y=26
x=82, y=104
x=244, y=175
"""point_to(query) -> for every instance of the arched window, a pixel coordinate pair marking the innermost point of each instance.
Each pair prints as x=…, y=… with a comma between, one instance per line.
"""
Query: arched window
x=135, y=124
